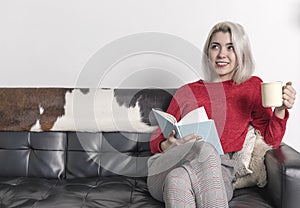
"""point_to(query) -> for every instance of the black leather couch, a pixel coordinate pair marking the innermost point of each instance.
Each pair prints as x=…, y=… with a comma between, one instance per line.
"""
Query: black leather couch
x=108, y=169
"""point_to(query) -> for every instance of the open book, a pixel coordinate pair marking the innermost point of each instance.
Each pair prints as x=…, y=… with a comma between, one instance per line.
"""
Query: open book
x=195, y=122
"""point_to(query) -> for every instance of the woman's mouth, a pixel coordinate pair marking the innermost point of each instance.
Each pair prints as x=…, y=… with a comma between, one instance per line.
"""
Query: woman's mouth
x=221, y=64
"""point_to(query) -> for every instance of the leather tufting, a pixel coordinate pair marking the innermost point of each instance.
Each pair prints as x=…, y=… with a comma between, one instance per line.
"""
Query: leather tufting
x=106, y=154
x=108, y=169
x=32, y=154
x=90, y=192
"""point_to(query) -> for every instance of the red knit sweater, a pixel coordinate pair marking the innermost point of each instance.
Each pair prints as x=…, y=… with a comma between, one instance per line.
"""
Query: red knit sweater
x=232, y=107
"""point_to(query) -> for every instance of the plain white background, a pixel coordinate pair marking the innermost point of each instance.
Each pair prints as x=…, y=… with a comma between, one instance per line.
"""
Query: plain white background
x=49, y=42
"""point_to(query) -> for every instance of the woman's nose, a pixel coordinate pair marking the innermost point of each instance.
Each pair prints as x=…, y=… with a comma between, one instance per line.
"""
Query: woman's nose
x=222, y=53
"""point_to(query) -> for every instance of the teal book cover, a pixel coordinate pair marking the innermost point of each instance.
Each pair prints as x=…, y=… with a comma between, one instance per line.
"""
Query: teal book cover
x=194, y=122
x=167, y=123
x=206, y=129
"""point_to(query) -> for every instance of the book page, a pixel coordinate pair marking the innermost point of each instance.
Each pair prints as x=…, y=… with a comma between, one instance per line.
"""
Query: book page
x=167, y=116
x=195, y=116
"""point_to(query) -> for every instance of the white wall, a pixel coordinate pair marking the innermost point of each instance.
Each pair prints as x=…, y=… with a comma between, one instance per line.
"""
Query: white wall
x=50, y=42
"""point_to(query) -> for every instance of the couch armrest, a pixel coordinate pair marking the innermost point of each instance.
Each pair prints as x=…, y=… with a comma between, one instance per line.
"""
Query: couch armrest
x=283, y=169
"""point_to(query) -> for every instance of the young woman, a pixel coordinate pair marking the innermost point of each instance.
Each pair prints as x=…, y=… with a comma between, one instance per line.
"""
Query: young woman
x=189, y=173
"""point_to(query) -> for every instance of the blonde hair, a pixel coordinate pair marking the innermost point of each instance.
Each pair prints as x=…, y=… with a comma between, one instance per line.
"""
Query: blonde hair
x=240, y=41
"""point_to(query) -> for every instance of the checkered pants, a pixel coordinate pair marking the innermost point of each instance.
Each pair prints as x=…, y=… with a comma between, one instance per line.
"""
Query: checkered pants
x=191, y=175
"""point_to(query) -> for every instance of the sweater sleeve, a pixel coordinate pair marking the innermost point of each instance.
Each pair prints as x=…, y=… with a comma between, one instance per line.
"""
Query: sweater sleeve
x=174, y=109
x=156, y=139
x=270, y=126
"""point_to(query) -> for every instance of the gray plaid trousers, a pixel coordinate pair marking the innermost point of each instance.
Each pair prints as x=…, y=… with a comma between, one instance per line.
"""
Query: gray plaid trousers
x=191, y=175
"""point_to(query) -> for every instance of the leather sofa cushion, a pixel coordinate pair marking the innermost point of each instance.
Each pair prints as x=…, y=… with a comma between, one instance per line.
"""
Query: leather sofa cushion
x=73, y=154
x=32, y=154
x=106, y=154
x=115, y=191
x=250, y=197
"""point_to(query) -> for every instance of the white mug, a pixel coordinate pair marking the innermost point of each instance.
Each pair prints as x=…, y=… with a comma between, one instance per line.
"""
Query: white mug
x=271, y=93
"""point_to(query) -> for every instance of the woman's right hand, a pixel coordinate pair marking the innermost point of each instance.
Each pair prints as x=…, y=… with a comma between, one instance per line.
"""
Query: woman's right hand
x=171, y=141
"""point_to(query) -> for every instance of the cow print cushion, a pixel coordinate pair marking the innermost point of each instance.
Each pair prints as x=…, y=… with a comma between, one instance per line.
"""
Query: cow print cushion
x=92, y=110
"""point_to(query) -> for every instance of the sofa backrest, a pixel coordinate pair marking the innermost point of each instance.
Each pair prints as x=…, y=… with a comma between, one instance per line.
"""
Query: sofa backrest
x=107, y=153
x=32, y=154
x=72, y=154
x=84, y=110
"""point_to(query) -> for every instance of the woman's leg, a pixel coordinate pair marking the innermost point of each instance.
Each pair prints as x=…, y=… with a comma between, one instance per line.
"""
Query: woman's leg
x=160, y=165
x=178, y=191
x=203, y=165
x=206, y=177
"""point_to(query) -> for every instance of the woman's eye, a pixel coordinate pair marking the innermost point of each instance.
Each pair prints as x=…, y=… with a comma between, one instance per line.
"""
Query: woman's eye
x=231, y=48
x=214, y=46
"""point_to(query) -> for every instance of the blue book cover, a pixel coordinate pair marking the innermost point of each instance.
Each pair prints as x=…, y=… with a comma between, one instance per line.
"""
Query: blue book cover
x=167, y=123
x=194, y=122
x=206, y=129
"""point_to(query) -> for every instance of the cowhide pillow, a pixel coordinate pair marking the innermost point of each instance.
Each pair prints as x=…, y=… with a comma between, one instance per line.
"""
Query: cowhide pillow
x=254, y=150
x=81, y=109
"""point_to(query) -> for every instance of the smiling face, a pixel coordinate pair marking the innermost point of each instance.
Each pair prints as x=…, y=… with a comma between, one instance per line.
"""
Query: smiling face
x=222, y=55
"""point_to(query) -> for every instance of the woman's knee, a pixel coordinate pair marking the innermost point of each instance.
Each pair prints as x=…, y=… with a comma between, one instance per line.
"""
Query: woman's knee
x=207, y=147
x=204, y=150
x=177, y=178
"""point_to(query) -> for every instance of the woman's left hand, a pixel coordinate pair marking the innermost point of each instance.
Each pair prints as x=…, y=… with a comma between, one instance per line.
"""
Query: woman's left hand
x=289, y=96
